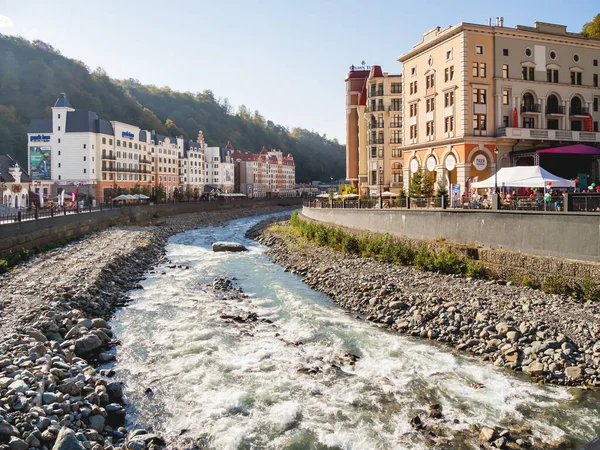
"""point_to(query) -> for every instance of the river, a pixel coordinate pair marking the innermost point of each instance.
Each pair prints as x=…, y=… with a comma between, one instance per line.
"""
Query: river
x=238, y=386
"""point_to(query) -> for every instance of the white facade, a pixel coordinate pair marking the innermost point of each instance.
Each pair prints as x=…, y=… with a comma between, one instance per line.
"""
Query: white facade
x=219, y=168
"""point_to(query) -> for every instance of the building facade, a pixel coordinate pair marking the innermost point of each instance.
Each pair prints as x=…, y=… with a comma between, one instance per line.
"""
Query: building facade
x=15, y=184
x=220, y=168
x=473, y=90
x=192, y=165
x=374, y=130
x=266, y=174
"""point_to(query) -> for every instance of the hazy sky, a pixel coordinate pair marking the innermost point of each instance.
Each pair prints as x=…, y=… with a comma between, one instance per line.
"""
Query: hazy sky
x=287, y=59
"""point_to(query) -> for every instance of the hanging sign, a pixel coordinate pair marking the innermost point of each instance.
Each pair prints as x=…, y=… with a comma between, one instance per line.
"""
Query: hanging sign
x=480, y=162
x=414, y=166
x=431, y=164
x=450, y=163
x=515, y=118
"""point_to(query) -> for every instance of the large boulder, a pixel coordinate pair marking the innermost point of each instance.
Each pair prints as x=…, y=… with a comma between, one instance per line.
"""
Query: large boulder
x=67, y=440
x=228, y=247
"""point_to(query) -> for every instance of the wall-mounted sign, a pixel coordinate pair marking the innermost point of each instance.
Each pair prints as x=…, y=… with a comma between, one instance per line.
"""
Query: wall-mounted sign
x=431, y=163
x=414, y=166
x=480, y=162
x=127, y=134
x=450, y=162
x=39, y=138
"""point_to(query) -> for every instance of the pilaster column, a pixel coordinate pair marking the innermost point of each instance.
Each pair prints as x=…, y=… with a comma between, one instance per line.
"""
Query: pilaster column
x=543, y=115
x=498, y=100
x=567, y=118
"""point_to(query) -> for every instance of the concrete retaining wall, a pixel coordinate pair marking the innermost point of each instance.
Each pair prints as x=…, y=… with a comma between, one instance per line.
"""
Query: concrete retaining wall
x=568, y=235
x=35, y=233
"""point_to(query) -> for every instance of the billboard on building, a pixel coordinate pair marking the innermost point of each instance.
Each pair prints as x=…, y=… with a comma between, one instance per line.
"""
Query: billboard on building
x=228, y=175
x=39, y=163
x=456, y=195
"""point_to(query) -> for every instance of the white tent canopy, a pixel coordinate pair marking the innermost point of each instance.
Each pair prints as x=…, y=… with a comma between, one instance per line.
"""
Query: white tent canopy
x=524, y=176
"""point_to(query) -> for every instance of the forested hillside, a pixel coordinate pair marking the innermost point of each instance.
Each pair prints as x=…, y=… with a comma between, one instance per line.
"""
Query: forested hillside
x=33, y=74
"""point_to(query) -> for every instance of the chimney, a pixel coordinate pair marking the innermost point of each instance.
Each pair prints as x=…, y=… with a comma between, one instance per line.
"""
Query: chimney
x=489, y=21
x=501, y=21
x=497, y=21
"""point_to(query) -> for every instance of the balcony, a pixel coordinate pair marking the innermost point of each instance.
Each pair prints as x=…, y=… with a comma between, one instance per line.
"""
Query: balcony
x=579, y=112
x=541, y=134
x=108, y=169
x=396, y=125
x=555, y=110
x=376, y=125
x=535, y=108
x=395, y=108
x=144, y=161
x=376, y=93
x=109, y=157
x=375, y=108
x=375, y=141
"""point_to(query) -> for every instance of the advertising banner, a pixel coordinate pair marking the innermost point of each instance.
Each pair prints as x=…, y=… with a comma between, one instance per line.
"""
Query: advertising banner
x=456, y=195
x=39, y=160
x=227, y=175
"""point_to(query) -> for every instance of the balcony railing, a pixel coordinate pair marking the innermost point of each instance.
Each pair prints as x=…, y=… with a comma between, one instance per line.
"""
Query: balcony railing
x=549, y=135
x=376, y=125
x=555, y=110
x=531, y=107
x=376, y=93
x=108, y=169
x=579, y=111
x=109, y=157
x=395, y=107
x=376, y=108
x=375, y=141
x=396, y=125
x=144, y=161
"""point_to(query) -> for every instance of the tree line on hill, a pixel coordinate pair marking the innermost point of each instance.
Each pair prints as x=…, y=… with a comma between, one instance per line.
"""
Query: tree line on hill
x=33, y=74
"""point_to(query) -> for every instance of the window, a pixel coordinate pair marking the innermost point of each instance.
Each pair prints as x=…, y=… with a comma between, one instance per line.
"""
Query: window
x=505, y=121
x=59, y=116
x=448, y=99
x=59, y=153
x=475, y=69
x=413, y=109
x=59, y=128
x=504, y=52
x=576, y=78
x=429, y=81
x=595, y=63
x=479, y=122
x=413, y=131
x=595, y=81
x=449, y=124
x=84, y=170
x=104, y=140
x=528, y=122
x=552, y=75
x=528, y=73
x=110, y=142
x=504, y=70
x=84, y=158
x=130, y=145
x=596, y=104
x=576, y=57
x=59, y=140
x=596, y=127
x=429, y=104
x=552, y=54
x=59, y=165
x=430, y=129
x=448, y=55
x=59, y=175
x=528, y=52
x=396, y=88
x=479, y=96
x=505, y=96
x=449, y=73
x=84, y=146
x=479, y=49
x=413, y=87
x=479, y=70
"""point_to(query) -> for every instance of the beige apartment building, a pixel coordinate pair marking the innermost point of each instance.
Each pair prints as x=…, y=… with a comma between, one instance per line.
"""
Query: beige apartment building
x=374, y=130
x=471, y=90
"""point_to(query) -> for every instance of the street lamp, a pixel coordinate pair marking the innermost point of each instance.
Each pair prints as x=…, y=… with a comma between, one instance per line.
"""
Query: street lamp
x=496, y=173
x=380, y=187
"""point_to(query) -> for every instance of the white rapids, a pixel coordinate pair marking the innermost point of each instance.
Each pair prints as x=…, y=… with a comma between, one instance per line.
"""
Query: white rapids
x=237, y=386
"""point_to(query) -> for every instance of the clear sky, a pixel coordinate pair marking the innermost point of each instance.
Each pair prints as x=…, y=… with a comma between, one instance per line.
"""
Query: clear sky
x=287, y=59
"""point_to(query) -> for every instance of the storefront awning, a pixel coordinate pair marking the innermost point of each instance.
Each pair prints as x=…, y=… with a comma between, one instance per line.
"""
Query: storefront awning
x=576, y=149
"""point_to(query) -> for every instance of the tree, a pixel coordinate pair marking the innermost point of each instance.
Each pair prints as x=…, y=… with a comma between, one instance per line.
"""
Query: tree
x=414, y=189
x=188, y=192
x=196, y=193
x=159, y=192
x=442, y=191
x=592, y=29
x=347, y=189
x=427, y=184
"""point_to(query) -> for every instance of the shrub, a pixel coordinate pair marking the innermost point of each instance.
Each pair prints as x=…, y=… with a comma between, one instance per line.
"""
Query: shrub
x=475, y=269
x=294, y=220
x=589, y=290
x=530, y=283
x=553, y=284
x=446, y=261
x=336, y=236
x=3, y=266
x=350, y=244
x=424, y=259
x=321, y=235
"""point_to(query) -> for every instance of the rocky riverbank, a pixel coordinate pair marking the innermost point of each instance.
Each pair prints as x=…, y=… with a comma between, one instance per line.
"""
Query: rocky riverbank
x=54, y=334
x=552, y=338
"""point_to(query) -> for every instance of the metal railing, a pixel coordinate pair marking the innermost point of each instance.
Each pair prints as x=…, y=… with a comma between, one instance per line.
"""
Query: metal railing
x=109, y=157
x=579, y=111
x=531, y=107
x=374, y=203
x=583, y=202
x=555, y=110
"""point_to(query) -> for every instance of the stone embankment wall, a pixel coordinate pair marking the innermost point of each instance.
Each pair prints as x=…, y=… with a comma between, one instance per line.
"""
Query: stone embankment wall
x=567, y=235
x=35, y=233
x=507, y=265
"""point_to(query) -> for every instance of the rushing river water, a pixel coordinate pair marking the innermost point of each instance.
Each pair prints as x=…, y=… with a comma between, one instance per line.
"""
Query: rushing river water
x=237, y=386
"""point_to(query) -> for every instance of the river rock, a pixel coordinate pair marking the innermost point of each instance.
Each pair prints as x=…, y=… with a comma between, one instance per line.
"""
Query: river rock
x=17, y=444
x=228, y=247
x=535, y=368
x=97, y=423
x=573, y=372
x=67, y=440
x=18, y=386
x=87, y=344
x=487, y=434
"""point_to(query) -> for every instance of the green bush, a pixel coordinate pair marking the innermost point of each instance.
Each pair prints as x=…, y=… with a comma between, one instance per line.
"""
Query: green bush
x=553, y=284
x=321, y=235
x=446, y=261
x=424, y=259
x=294, y=220
x=350, y=244
x=475, y=269
x=3, y=266
x=589, y=290
x=530, y=283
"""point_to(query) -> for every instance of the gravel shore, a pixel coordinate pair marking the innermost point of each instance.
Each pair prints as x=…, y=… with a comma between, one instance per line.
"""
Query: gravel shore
x=552, y=338
x=54, y=333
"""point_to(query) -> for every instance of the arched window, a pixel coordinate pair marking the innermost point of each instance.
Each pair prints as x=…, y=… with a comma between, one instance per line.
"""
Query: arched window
x=552, y=104
x=576, y=106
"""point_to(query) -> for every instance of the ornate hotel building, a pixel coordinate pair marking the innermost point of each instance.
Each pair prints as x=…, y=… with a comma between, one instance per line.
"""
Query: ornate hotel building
x=374, y=130
x=470, y=89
